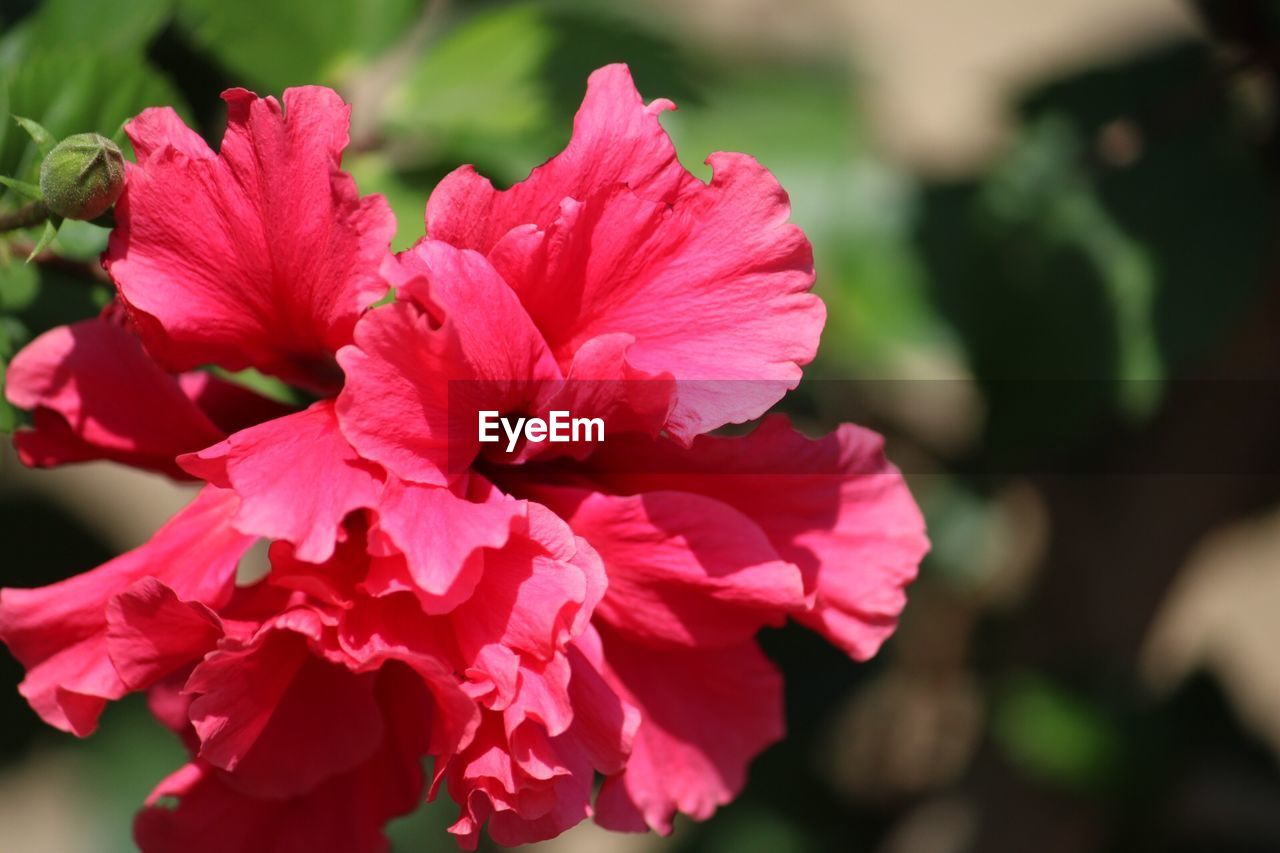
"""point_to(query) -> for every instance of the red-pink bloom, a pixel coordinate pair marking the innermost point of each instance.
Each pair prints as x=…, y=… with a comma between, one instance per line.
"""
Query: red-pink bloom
x=528, y=619
x=262, y=255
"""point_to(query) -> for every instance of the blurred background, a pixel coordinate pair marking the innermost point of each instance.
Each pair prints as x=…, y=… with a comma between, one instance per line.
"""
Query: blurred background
x=1045, y=232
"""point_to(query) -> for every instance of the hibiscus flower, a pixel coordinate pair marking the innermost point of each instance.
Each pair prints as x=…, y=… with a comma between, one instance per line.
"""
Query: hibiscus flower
x=531, y=619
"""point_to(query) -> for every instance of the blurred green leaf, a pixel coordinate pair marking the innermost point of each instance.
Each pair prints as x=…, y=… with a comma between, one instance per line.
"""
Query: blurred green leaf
x=8, y=415
x=81, y=241
x=19, y=284
x=123, y=762
x=23, y=188
x=62, y=297
x=47, y=235
x=13, y=334
x=42, y=138
x=1063, y=265
x=86, y=25
x=755, y=832
x=295, y=42
x=268, y=386
x=423, y=828
x=1056, y=735
x=477, y=87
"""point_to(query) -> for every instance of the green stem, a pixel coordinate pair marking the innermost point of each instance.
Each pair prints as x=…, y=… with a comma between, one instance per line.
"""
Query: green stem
x=26, y=216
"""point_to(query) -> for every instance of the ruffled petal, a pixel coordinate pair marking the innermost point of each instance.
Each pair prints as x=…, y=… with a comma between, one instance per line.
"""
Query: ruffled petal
x=713, y=290
x=705, y=714
x=152, y=633
x=683, y=569
x=59, y=632
x=834, y=506
x=616, y=139
x=344, y=814
x=96, y=394
x=422, y=369
x=263, y=256
x=280, y=718
x=443, y=536
x=159, y=127
x=297, y=478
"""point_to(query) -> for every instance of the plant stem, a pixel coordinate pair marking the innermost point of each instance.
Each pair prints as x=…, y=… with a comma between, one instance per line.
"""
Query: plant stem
x=32, y=213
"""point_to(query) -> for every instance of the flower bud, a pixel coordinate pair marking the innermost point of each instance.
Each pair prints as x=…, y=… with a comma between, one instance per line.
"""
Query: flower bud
x=82, y=176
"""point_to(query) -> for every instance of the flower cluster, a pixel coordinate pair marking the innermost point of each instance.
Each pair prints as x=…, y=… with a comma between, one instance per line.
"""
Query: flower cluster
x=531, y=619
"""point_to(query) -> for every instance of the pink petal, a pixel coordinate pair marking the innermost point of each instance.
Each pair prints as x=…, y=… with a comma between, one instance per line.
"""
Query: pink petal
x=606, y=725
x=415, y=381
x=59, y=632
x=705, y=715
x=616, y=139
x=263, y=256
x=834, y=506
x=296, y=476
x=158, y=127
x=345, y=814
x=282, y=719
x=151, y=632
x=683, y=569
x=96, y=394
x=714, y=289
x=442, y=537
x=534, y=590
x=335, y=581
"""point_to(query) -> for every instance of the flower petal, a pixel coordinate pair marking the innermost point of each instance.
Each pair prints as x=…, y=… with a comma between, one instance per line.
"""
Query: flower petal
x=297, y=478
x=282, y=719
x=705, y=714
x=835, y=507
x=345, y=814
x=263, y=256
x=158, y=127
x=714, y=289
x=616, y=139
x=59, y=632
x=416, y=381
x=151, y=633
x=442, y=536
x=96, y=394
x=683, y=569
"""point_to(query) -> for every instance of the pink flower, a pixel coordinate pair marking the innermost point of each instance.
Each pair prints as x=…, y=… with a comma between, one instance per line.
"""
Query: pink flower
x=528, y=619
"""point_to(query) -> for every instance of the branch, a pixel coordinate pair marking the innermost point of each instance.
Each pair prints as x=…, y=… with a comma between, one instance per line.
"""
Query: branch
x=32, y=213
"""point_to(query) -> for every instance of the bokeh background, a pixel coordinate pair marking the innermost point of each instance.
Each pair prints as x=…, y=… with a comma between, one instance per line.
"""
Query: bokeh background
x=1045, y=232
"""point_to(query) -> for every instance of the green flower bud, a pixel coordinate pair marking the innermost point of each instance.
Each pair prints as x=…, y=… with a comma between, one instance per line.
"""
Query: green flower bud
x=82, y=176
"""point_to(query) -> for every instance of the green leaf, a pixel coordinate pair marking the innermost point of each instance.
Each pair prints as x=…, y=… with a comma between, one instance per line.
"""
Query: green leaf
x=31, y=191
x=82, y=241
x=84, y=25
x=8, y=415
x=1056, y=735
x=46, y=237
x=321, y=47
x=41, y=137
x=1114, y=271
x=19, y=285
x=13, y=334
x=267, y=386
x=479, y=85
